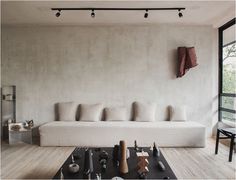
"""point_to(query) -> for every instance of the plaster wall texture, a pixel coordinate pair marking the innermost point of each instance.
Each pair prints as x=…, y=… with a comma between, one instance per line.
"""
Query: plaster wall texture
x=115, y=65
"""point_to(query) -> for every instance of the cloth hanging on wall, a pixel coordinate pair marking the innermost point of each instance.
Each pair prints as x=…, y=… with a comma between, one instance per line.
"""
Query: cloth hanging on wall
x=186, y=59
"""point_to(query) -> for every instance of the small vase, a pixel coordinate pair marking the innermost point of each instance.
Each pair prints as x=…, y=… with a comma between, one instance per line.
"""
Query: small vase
x=123, y=166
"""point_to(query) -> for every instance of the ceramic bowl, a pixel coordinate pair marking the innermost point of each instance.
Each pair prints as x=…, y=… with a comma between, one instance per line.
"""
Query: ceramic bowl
x=73, y=168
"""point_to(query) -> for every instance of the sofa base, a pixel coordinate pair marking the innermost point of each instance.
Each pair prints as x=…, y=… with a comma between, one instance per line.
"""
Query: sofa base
x=107, y=134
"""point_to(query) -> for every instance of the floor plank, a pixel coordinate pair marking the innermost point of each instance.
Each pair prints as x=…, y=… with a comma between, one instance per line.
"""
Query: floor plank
x=201, y=163
x=24, y=161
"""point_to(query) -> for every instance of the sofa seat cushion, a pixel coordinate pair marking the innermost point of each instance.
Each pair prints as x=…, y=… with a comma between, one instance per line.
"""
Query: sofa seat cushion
x=107, y=134
x=144, y=111
x=178, y=113
x=116, y=114
x=67, y=111
x=90, y=112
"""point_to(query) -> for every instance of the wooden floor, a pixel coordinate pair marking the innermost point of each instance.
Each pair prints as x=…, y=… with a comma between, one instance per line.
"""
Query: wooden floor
x=33, y=162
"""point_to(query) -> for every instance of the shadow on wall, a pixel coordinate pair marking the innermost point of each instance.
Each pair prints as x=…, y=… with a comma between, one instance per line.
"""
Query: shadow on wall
x=56, y=111
x=168, y=113
x=132, y=111
x=173, y=63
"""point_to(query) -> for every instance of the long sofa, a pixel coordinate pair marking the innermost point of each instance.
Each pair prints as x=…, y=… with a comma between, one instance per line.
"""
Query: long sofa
x=92, y=125
x=107, y=134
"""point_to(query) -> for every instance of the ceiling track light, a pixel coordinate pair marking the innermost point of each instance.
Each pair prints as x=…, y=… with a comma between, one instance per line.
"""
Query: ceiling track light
x=146, y=14
x=179, y=9
x=93, y=13
x=180, y=13
x=58, y=13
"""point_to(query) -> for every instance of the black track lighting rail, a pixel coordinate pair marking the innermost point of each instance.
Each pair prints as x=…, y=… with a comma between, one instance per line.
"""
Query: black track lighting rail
x=119, y=9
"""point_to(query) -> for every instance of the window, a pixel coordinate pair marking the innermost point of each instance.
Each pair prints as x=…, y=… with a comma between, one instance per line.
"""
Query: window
x=227, y=72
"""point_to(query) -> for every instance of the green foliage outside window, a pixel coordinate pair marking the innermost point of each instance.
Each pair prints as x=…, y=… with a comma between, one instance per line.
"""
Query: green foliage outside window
x=229, y=80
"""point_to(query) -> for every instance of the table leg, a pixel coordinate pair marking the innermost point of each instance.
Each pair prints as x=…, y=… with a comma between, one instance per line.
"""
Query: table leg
x=231, y=148
x=217, y=141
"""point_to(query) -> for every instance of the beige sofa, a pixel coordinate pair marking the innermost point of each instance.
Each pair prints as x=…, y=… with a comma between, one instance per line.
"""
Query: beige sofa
x=107, y=134
x=84, y=126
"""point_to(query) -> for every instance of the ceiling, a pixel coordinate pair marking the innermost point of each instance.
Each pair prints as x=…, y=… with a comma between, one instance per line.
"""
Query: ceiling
x=213, y=13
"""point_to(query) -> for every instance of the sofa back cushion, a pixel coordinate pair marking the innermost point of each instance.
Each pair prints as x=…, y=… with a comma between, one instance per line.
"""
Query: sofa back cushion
x=116, y=114
x=67, y=111
x=144, y=111
x=178, y=113
x=90, y=112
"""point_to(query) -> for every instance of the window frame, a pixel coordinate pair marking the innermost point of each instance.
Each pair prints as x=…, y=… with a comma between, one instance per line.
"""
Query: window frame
x=220, y=83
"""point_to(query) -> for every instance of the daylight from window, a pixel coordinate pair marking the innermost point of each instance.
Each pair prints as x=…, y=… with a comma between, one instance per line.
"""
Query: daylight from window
x=229, y=80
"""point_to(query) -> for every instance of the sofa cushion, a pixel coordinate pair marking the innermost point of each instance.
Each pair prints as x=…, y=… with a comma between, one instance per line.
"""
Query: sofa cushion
x=178, y=113
x=144, y=111
x=90, y=112
x=116, y=114
x=67, y=111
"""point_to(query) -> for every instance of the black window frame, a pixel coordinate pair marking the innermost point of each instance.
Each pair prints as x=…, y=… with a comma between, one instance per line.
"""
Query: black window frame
x=220, y=91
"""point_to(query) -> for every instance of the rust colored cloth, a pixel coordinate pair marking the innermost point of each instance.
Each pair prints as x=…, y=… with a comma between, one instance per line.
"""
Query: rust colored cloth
x=181, y=61
x=191, y=58
x=186, y=59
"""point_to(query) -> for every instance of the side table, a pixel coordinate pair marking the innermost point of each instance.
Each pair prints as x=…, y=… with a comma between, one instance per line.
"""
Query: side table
x=230, y=133
x=19, y=134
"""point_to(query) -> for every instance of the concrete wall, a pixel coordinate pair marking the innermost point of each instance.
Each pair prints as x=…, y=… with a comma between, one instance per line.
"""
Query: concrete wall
x=116, y=65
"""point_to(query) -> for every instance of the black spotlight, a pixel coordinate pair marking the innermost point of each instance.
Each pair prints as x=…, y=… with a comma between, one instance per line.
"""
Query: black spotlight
x=146, y=14
x=93, y=14
x=180, y=14
x=58, y=13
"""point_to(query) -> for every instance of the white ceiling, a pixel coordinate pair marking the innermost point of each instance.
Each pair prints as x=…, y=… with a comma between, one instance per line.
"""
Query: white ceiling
x=213, y=13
